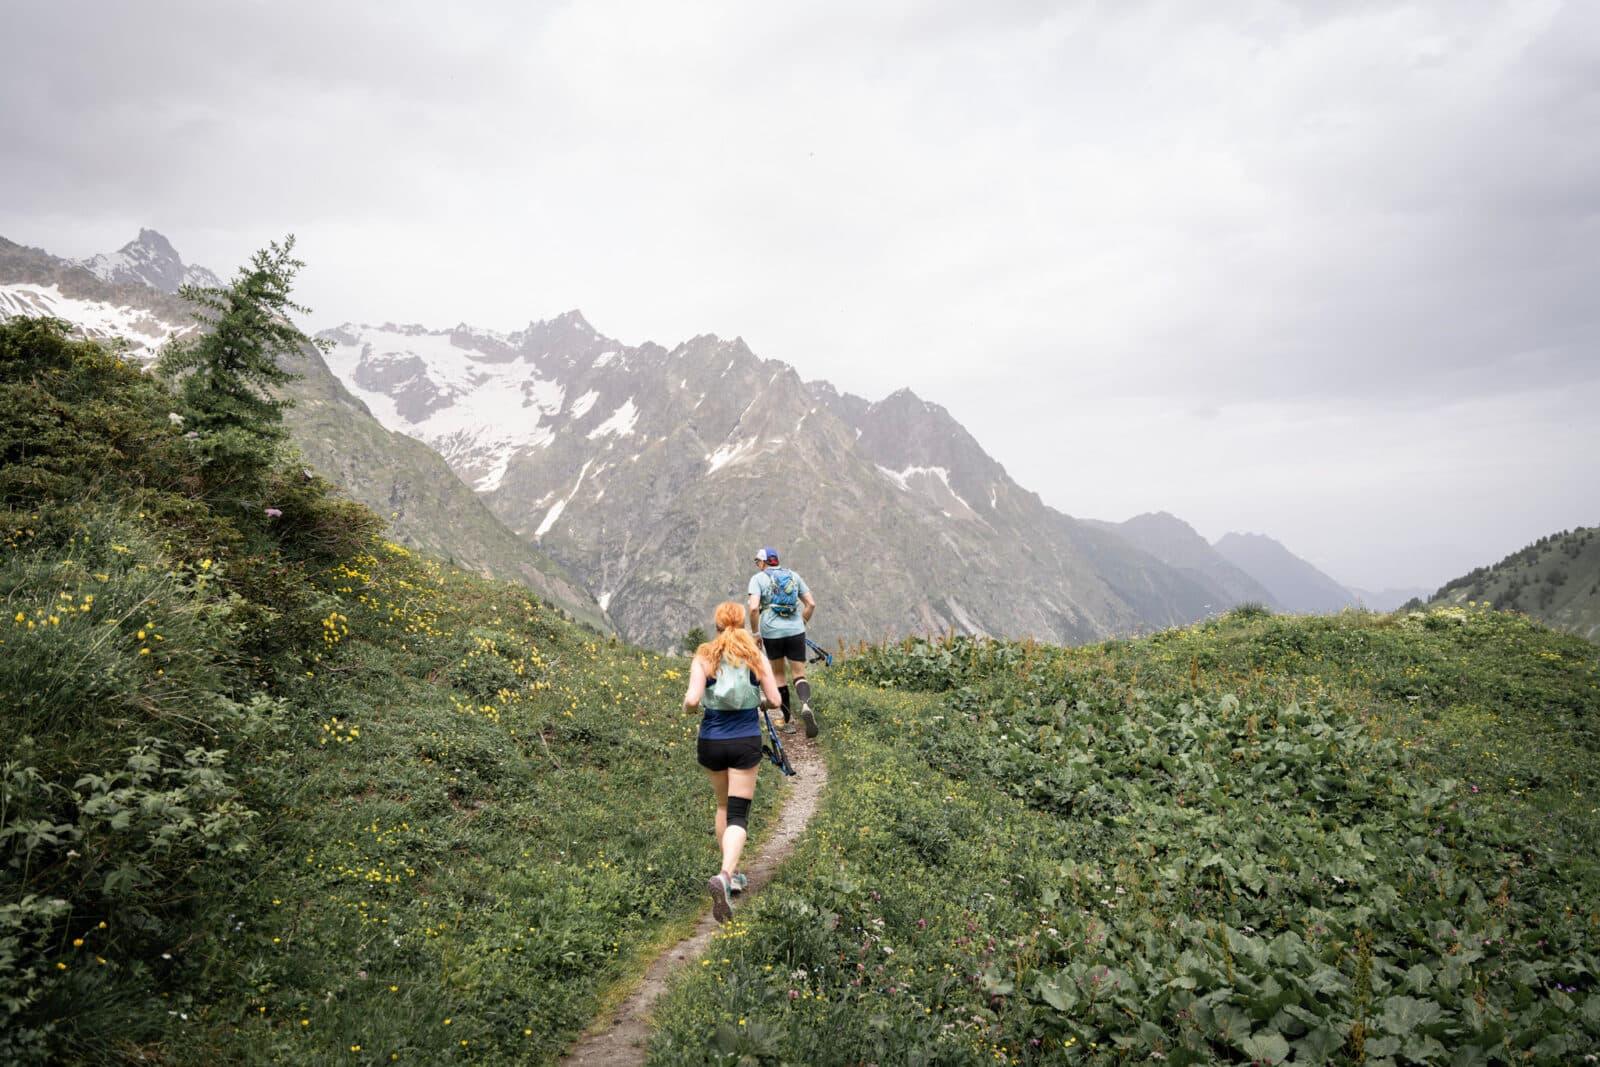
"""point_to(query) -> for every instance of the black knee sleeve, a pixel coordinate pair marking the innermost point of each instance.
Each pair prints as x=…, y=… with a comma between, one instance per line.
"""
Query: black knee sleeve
x=739, y=812
x=783, y=699
x=802, y=689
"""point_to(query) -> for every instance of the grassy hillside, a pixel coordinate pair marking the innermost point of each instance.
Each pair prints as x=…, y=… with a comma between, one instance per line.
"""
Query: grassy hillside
x=1556, y=579
x=1356, y=839
x=277, y=790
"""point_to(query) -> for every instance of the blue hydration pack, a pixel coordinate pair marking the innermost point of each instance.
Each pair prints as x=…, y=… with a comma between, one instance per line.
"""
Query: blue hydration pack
x=784, y=598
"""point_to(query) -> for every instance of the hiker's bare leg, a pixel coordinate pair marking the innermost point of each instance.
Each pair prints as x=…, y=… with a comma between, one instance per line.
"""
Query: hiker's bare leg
x=719, y=785
x=739, y=784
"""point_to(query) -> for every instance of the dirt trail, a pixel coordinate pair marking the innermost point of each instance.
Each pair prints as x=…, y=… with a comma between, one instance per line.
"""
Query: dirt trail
x=622, y=1039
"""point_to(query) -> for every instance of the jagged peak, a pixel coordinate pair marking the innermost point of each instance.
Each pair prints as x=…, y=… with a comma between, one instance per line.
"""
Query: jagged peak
x=153, y=239
x=573, y=318
x=148, y=259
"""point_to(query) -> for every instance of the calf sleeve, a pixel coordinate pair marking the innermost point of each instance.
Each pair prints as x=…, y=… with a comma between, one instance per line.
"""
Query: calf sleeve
x=783, y=699
x=802, y=689
x=739, y=813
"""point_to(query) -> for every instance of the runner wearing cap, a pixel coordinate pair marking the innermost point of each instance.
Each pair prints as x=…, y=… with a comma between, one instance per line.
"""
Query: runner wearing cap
x=780, y=605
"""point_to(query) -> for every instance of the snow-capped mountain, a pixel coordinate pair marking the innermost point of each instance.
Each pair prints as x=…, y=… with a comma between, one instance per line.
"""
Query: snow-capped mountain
x=651, y=473
x=148, y=259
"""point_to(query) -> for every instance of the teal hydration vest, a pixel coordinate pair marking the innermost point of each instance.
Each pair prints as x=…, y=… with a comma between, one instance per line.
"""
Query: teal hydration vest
x=730, y=704
x=733, y=689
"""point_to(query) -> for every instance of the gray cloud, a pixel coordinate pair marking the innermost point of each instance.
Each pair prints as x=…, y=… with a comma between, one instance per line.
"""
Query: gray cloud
x=1315, y=222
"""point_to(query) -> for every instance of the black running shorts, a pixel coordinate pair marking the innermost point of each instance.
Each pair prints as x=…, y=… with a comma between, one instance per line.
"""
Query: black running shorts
x=730, y=753
x=792, y=648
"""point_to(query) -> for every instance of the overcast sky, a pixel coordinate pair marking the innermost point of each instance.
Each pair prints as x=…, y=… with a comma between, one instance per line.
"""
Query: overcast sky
x=1324, y=271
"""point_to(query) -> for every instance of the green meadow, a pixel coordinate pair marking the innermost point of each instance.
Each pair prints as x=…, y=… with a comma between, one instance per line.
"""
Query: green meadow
x=274, y=789
x=1359, y=839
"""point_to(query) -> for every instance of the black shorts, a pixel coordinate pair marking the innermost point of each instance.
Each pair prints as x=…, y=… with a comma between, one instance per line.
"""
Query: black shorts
x=793, y=648
x=729, y=753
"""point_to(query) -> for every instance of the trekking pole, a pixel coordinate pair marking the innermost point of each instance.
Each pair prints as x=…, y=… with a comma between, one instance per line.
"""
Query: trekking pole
x=775, y=751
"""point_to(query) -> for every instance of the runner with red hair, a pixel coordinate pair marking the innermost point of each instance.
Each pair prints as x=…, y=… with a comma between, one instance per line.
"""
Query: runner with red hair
x=732, y=680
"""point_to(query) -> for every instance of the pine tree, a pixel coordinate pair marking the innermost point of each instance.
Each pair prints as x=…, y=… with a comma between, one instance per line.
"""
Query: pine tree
x=227, y=373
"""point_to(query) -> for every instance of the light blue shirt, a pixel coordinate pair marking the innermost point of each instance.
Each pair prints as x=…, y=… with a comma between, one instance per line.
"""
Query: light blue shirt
x=772, y=625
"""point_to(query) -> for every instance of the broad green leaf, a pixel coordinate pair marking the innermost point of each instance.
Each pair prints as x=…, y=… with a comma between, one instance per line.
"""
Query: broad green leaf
x=1383, y=1046
x=1406, y=1015
x=1267, y=1046
x=1060, y=992
x=1319, y=1045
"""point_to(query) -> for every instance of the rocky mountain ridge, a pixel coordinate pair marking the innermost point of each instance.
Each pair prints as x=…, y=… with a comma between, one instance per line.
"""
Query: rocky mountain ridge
x=653, y=472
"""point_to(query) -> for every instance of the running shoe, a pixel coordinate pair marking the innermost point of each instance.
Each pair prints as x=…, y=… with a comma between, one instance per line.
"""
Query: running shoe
x=809, y=717
x=787, y=726
x=738, y=882
x=721, y=891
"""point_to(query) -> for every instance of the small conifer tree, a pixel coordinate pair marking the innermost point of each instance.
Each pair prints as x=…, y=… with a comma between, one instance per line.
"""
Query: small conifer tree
x=227, y=374
x=693, y=640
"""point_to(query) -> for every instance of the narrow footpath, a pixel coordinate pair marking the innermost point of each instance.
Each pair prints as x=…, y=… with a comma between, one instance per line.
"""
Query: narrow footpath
x=622, y=1039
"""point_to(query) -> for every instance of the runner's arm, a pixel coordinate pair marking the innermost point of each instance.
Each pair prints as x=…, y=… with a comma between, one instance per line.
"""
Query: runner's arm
x=697, y=685
x=808, y=605
x=769, y=685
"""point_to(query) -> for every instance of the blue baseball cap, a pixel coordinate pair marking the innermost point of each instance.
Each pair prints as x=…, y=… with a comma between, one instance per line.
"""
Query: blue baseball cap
x=766, y=555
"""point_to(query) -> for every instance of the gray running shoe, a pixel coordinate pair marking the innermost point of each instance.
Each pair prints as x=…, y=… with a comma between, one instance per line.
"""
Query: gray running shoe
x=738, y=882
x=809, y=717
x=786, y=726
x=721, y=891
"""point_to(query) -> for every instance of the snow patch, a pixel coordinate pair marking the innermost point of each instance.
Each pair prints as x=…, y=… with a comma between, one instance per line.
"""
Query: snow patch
x=550, y=518
x=602, y=360
x=730, y=453
x=560, y=505
x=901, y=477
x=496, y=409
x=94, y=319
x=620, y=423
x=581, y=406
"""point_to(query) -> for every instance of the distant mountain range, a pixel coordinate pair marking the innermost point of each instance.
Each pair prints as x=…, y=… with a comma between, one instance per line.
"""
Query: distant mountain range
x=1292, y=582
x=652, y=474
x=632, y=483
x=1557, y=579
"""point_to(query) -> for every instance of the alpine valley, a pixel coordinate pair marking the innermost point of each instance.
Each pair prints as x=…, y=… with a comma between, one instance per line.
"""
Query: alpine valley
x=631, y=484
